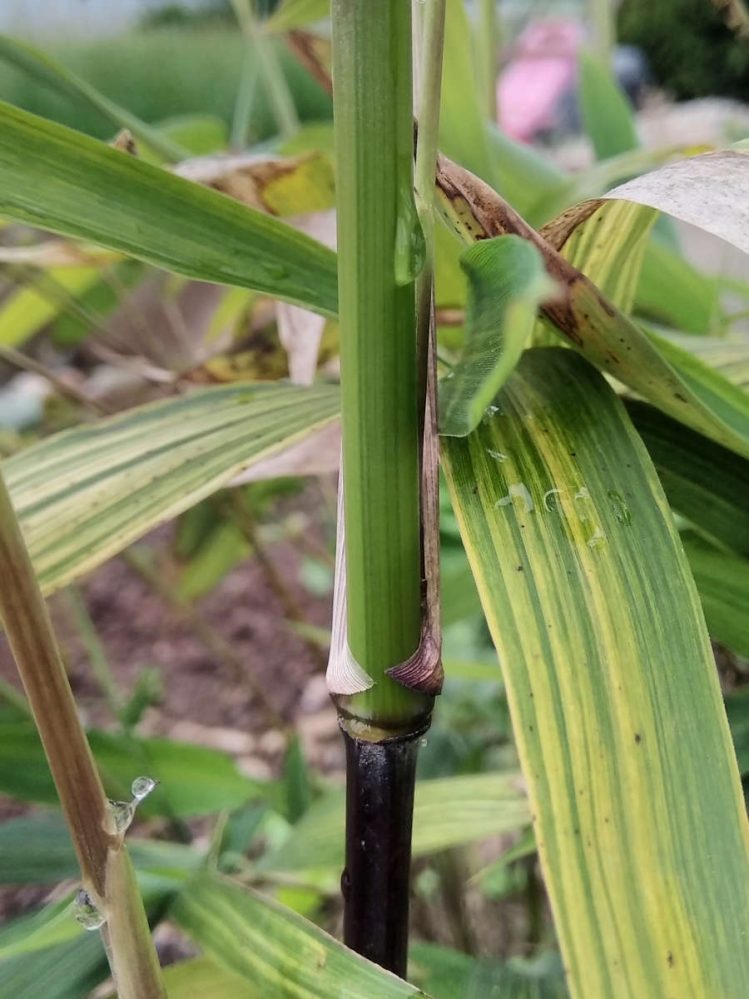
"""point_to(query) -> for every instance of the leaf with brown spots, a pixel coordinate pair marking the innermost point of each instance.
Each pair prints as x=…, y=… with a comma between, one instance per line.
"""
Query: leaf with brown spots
x=669, y=377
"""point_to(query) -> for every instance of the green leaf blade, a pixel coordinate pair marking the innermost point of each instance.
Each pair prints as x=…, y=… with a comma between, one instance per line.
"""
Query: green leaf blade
x=600, y=632
x=84, y=495
x=277, y=951
x=606, y=112
x=507, y=281
x=57, y=179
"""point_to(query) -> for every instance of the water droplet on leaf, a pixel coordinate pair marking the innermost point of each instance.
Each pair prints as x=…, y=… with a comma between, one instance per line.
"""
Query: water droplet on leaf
x=410, y=246
x=621, y=510
x=517, y=491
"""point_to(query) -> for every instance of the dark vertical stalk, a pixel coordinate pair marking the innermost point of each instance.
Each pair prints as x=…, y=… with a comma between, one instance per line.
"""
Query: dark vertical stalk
x=379, y=810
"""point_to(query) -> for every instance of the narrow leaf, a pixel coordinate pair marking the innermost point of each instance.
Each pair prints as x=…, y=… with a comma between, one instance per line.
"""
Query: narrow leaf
x=200, y=977
x=68, y=971
x=506, y=282
x=278, y=952
x=591, y=605
x=84, y=495
x=673, y=292
x=292, y=14
x=57, y=179
x=606, y=112
x=59, y=78
x=194, y=780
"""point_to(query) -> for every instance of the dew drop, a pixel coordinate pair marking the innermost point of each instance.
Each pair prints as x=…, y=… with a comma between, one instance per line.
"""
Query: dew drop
x=423, y=742
x=517, y=491
x=621, y=510
x=597, y=539
x=497, y=455
x=142, y=787
x=122, y=812
x=276, y=272
x=550, y=503
x=86, y=912
x=410, y=246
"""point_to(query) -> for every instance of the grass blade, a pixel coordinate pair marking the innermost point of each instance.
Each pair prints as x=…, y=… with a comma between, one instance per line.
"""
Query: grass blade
x=58, y=179
x=606, y=112
x=58, y=78
x=507, y=280
x=85, y=494
x=278, y=952
x=591, y=604
x=709, y=191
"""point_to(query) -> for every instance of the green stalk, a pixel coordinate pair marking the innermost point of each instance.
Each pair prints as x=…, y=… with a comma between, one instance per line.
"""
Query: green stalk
x=269, y=68
x=431, y=48
x=383, y=373
x=380, y=250
x=488, y=41
x=107, y=874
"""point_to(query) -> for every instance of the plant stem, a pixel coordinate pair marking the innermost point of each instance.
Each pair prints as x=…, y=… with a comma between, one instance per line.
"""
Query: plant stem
x=431, y=49
x=378, y=256
x=269, y=68
x=488, y=40
x=379, y=815
x=383, y=373
x=105, y=866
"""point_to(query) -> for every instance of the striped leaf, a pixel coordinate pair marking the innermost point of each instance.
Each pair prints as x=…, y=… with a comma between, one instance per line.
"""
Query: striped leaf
x=278, y=952
x=673, y=292
x=637, y=808
x=200, y=977
x=58, y=179
x=85, y=494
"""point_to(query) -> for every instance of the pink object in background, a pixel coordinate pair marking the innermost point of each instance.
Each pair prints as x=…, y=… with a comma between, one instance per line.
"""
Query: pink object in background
x=542, y=67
